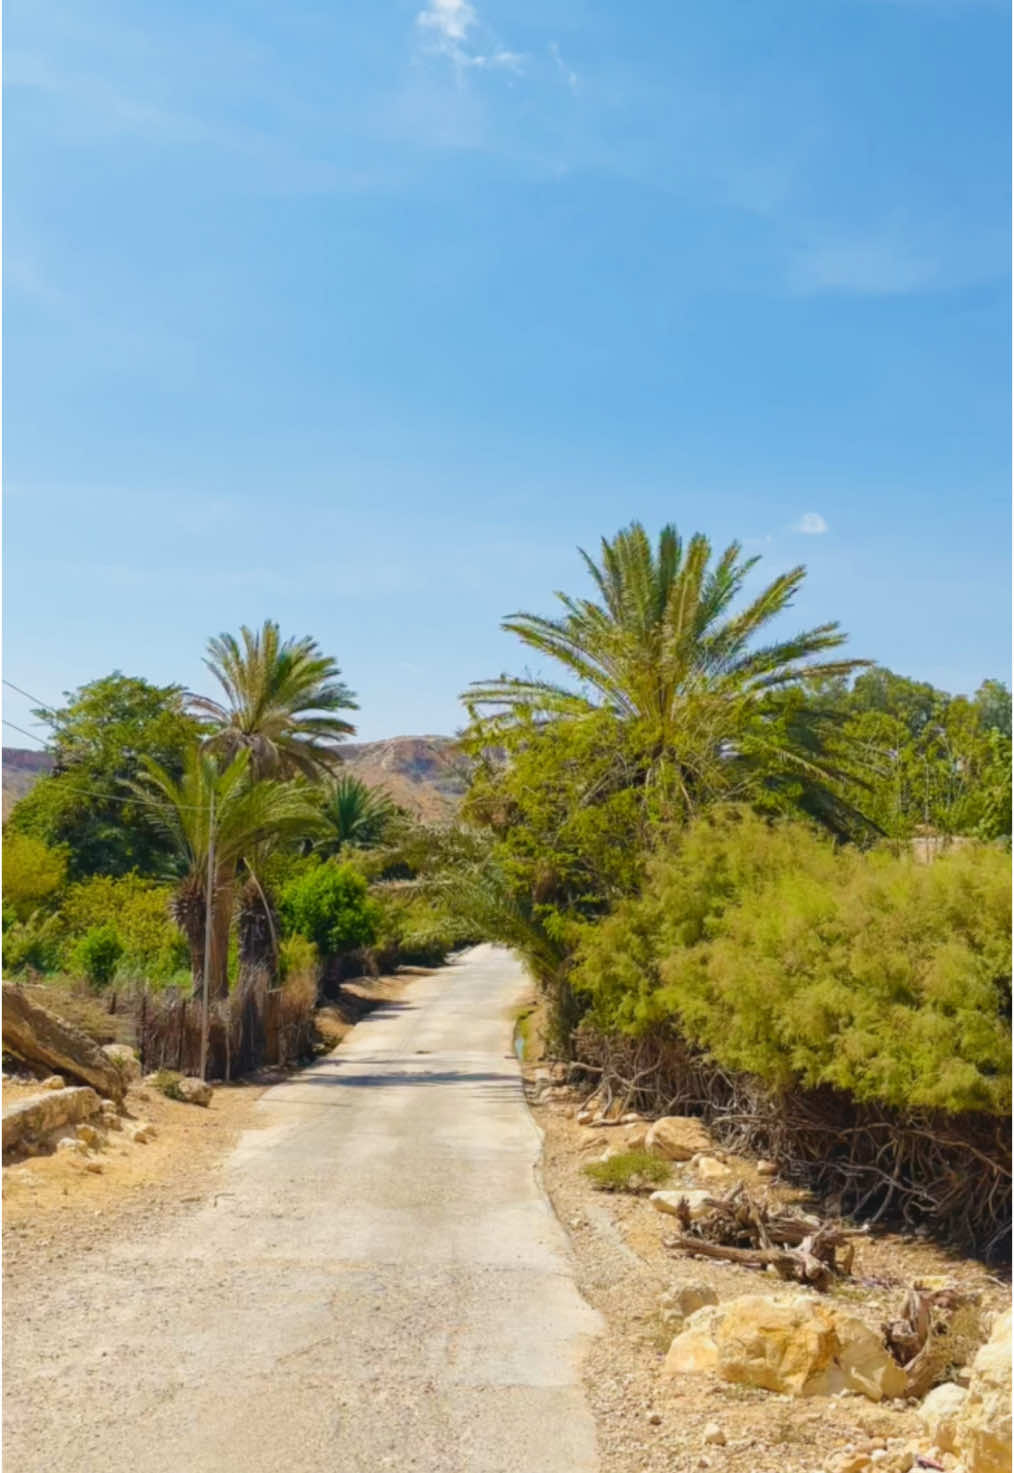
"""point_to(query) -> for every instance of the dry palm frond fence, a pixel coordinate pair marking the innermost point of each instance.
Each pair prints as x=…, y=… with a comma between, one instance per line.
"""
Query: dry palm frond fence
x=255, y=1025
x=948, y=1174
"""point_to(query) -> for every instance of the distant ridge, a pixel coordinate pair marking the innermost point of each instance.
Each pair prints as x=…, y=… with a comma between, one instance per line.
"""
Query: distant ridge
x=427, y=775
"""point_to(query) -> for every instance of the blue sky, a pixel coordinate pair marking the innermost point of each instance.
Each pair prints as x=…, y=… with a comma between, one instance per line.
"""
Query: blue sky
x=364, y=316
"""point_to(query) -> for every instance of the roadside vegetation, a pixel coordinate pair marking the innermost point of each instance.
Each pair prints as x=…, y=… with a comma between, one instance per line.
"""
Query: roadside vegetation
x=755, y=877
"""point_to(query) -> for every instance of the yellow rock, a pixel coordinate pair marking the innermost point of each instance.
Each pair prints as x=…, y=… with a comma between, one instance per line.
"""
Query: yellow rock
x=983, y=1424
x=784, y=1345
x=678, y=1138
x=866, y=1364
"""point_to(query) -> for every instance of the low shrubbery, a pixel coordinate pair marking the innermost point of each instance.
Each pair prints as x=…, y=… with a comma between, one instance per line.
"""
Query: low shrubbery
x=804, y=965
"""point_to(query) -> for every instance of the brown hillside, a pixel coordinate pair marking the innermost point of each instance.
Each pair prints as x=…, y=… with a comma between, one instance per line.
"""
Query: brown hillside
x=427, y=775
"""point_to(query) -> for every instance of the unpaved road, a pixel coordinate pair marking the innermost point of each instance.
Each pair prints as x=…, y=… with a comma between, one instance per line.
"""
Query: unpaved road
x=376, y=1281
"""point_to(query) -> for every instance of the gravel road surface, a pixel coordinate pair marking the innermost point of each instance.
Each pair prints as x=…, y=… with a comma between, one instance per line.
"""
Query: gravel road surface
x=376, y=1281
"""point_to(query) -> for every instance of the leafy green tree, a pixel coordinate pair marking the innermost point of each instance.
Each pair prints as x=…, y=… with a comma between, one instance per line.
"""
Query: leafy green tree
x=33, y=874
x=354, y=815
x=280, y=703
x=329, y=904
x=716, y=713
x=99, y=741
x=248, y=817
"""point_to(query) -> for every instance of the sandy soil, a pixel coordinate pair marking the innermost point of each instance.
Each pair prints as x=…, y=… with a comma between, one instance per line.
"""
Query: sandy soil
x=648, y=1424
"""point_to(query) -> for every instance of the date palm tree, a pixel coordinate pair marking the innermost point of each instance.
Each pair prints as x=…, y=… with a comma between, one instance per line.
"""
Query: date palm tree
x=248, y=819
x=281, y=700
x=663, y=649
x=354, y=814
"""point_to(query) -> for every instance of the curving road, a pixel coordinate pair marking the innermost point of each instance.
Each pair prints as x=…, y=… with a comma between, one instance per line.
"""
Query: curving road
x=376, y=1282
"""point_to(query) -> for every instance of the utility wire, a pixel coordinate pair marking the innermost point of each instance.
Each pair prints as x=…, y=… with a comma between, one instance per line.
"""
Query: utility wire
x=45, y=706
x=29, y=734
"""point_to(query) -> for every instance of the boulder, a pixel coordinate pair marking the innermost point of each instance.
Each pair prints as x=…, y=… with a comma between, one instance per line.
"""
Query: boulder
x=40, y=1037
x=39, y=1115
x=678, y=1138
x=195, y=1091
x=866, y=1364
x=983, y=1423
x=939, y=1415
x=124, y=1060
x=678, y=1304
x=693, y=1351
x=668, y=1202
x=783, y=1345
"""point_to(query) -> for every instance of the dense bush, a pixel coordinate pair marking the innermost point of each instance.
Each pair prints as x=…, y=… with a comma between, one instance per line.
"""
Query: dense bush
x=96, y=954
x=33, y=874
x=329, y=904
x=35, y=945
x=807, y=965
x=137, y=909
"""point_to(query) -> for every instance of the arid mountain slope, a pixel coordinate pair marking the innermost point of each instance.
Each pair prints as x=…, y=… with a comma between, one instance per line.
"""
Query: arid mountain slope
x=427, y=775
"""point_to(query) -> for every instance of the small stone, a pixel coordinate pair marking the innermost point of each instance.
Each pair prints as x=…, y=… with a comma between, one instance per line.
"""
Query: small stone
x=655, y=1418
x=54, y=1081
x=714, y=1435
x=141, y=1133
x=709, y=1169
x=110, y=1121
x=767, y=1168
x=94, y=1166
x=68, y=1144
x=88, y=1134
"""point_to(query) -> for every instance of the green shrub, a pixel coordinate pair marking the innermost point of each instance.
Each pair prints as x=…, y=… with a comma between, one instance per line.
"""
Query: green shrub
x=34, y=945
x=806, y=965
x=96, y=954
x=629, y=1171
x=297, y=957
x=329, y=905
x=167, y=1082
x=138, y=910
x=33, y=874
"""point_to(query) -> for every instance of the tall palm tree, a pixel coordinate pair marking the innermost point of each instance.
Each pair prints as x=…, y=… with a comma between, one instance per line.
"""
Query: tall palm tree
x=665, y=652
x=281, y=699
x=248, y=817
x=355, y=814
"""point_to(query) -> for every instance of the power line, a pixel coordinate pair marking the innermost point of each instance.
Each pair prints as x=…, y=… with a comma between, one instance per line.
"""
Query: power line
x=29, y=734
x=44, y=704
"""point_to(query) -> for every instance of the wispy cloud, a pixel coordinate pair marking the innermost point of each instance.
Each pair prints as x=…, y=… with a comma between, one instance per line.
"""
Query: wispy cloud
x=451, y=28
x=811, y=523
x=870, y=265
x=566, y=71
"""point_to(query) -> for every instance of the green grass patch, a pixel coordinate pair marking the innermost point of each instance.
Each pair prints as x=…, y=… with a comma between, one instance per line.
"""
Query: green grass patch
x=629, y=1171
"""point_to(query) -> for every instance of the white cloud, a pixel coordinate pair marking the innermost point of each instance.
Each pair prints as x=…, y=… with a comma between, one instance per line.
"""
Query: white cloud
x=864, y=265
x=566, y=71
x=451, y=28
x=812, y=523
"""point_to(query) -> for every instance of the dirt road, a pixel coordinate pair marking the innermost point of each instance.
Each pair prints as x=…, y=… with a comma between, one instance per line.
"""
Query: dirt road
x=376, y=1281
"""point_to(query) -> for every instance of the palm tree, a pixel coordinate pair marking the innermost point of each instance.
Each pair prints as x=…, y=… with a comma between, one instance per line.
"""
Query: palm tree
x=355, y=814
x=280, y=703
x=665, y=653
x=248, y=817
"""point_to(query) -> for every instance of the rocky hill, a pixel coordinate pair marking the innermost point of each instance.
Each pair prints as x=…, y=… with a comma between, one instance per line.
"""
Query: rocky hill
x=427, y=775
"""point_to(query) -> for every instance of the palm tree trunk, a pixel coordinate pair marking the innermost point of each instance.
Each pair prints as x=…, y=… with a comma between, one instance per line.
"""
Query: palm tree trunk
x=221, y=924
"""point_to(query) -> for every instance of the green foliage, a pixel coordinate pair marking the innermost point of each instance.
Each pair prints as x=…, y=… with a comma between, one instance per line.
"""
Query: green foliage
x=34, y=945
x=297, y=957
x=806, y=965
x=99, y=741
x=138, y=909
x=628, y=1171
x=33, y=874
x=354, y=815
x=168, y=1082
x=96, y=954
x=711, y=712
x=280, y=703
x=328, y=904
